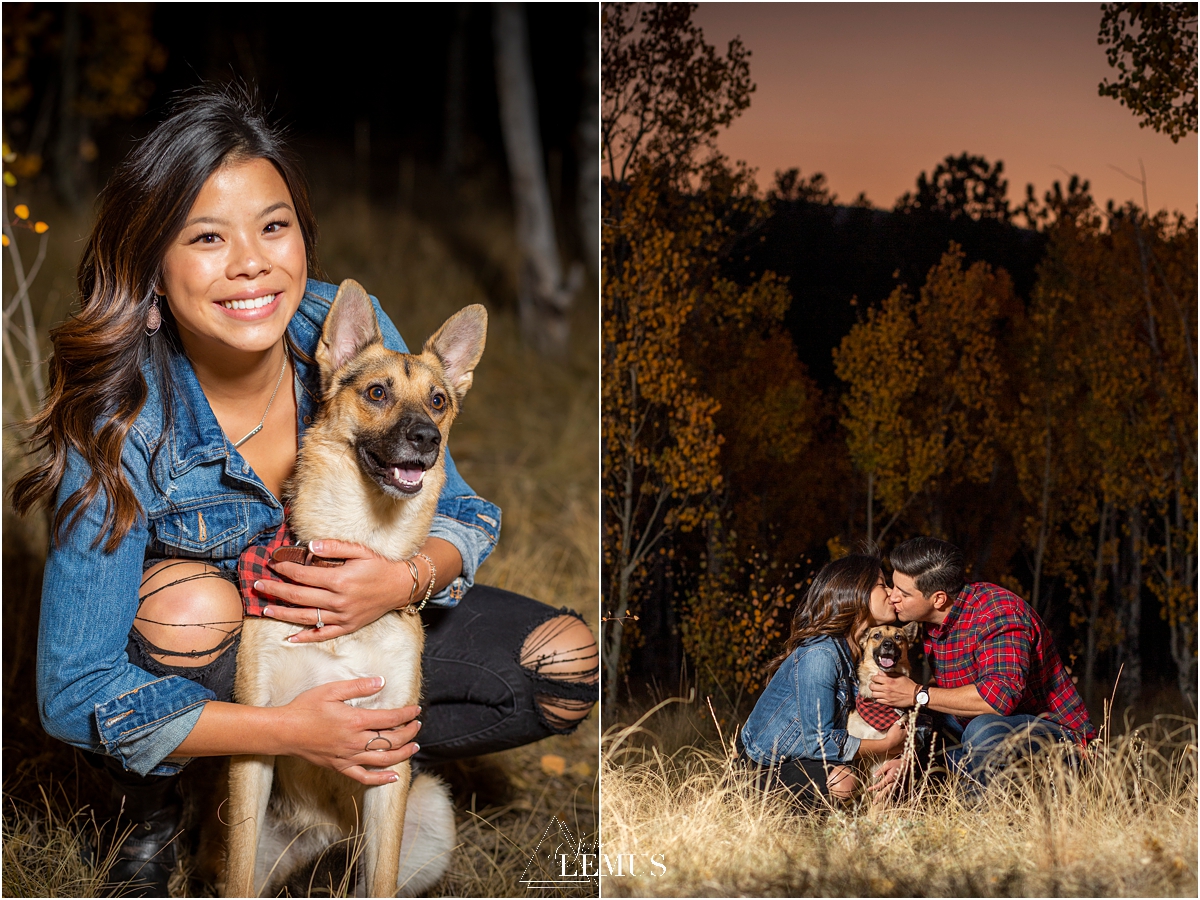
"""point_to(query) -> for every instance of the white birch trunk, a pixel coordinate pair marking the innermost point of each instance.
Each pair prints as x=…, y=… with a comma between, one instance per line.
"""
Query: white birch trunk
x=589, y=149
x=544, y=295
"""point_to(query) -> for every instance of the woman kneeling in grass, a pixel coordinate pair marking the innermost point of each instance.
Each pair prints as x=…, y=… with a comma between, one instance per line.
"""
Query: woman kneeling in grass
x=796, y=736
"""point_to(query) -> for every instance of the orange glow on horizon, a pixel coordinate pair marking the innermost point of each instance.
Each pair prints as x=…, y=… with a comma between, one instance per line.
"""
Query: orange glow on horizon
x=873, y=94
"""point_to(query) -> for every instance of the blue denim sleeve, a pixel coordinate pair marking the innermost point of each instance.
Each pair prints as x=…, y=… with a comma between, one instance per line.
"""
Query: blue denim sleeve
x=816, y=676
x=89, y=694
x=797, y=714
x=466, y=520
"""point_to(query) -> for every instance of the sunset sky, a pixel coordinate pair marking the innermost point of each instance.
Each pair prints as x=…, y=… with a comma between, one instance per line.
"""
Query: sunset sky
x=872, y=94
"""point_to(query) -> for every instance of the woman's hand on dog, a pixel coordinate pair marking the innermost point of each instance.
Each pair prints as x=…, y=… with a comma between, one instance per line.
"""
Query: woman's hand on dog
x=322, y=728
x=349, y=596
x=885, y=777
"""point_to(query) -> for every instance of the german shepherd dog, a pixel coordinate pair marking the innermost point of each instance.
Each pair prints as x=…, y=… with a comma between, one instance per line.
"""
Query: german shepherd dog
x=884, y=652
x=370, y=470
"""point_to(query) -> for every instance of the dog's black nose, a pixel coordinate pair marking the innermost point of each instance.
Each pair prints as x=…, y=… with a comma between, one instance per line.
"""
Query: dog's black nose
x=423, y=435
x=888, y=645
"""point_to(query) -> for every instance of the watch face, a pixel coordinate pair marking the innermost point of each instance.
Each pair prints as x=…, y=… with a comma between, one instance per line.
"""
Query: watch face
x=923, y=697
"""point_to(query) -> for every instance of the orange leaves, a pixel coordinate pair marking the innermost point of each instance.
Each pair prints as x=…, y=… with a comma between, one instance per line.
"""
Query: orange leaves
x=21, y=220
x=657, y=425
x=1103, y=429
x=737, y=619
x=118, y=63
x=926, y=383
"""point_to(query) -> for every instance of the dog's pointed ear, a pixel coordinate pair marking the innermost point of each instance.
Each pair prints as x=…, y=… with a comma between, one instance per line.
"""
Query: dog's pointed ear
x=912, y=631
x=459, y=345
x=350, y=327
x=860, y=636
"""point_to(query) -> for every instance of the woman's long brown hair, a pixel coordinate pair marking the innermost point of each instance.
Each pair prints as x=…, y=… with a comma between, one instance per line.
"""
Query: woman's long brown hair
x=838, y=603
x=96, y=386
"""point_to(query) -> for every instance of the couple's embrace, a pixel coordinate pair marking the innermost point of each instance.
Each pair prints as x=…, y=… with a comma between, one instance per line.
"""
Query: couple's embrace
x=995, y=673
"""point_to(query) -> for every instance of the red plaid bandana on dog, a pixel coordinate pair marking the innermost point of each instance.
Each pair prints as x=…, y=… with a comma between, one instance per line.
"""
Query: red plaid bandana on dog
x=876, y=714
x=993, y=640
x=253, y=566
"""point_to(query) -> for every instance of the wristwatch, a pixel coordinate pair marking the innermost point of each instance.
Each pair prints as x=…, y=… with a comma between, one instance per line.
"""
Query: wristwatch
x=921, y=697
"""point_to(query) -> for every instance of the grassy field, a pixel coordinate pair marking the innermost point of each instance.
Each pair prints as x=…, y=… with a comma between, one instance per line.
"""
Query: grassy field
x=526, y=439
x=1125, y=825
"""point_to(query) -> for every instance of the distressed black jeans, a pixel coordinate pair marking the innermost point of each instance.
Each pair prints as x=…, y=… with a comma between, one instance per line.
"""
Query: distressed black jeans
x=483, y=690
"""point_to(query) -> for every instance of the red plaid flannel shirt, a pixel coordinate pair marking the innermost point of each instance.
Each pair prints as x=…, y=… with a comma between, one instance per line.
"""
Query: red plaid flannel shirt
x=993, y=640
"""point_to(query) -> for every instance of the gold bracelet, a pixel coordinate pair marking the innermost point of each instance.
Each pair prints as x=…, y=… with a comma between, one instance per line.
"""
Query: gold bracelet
x=416, y=580
x=432, y=581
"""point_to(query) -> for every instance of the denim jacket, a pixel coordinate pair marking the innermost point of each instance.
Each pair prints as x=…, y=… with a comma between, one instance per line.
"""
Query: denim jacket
x=200, y=500
x=803, y=712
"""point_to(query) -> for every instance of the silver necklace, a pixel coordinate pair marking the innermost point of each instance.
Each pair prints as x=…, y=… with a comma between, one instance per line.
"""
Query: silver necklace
x=259, y=426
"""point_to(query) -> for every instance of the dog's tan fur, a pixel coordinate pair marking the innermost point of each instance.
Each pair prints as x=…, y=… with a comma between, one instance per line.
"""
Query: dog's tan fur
x=334, y=496
x=868, y=668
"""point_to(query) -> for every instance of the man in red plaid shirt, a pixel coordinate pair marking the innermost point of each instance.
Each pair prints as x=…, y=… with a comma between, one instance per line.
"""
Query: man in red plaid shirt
x=995, y=668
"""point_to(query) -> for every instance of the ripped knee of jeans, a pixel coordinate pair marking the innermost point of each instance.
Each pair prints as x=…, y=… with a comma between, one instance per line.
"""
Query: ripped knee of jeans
x=561, y=656
x=188, y=615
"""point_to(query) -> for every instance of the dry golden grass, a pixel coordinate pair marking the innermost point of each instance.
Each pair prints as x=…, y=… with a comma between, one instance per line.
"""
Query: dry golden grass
x=527, y=439
x=1125, y=825
x=44, y=851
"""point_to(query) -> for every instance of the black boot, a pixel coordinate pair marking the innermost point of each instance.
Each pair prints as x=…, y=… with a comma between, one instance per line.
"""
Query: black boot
x=148, y=854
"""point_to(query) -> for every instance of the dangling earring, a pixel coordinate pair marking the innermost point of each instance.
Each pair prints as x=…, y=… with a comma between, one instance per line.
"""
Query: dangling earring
x=154, y=317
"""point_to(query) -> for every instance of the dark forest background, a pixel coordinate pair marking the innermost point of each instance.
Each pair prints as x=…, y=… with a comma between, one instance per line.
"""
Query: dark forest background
x=379, y=97
x=787, y=374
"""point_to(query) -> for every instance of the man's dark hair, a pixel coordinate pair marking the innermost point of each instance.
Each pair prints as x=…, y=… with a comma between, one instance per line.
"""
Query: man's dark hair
x=934, y=565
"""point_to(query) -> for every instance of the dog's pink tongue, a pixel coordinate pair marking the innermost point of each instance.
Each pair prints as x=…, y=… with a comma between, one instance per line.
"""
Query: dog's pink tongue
x=886, y=663
x=408, y=476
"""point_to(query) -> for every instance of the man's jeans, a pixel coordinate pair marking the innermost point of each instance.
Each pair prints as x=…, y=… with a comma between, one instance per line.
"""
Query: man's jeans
x=990, y=742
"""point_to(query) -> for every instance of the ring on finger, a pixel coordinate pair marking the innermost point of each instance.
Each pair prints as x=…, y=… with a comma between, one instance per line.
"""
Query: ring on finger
x=320, y=624
x=378, y=737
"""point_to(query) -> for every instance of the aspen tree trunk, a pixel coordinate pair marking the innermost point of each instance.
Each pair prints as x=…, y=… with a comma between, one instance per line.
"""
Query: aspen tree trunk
x=612, y=628
x=589, y=148
x=1129, y=650
x=544, y=295
x=1183, y=626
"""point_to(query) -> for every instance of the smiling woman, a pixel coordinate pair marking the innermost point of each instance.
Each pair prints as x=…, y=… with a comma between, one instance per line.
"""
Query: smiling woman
x=179, y=393
x=233, y=279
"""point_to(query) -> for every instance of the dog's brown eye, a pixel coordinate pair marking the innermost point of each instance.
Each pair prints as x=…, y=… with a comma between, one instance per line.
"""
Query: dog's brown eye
x=438, y=402
x=376, y=393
